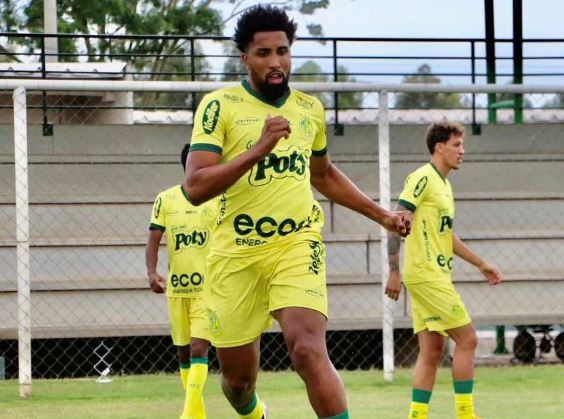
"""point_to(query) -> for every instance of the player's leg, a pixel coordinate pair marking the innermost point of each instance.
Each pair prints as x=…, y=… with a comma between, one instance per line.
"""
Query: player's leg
x=298, y=300
x=466, y=341
x=194, y=407
x=431, y=346
x=237, y=300
x=180, y=333
x=304, y=332
x=239, y=369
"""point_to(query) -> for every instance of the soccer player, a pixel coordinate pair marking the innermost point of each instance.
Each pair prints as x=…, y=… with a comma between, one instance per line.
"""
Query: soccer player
x=437, y=309
x=259, y=145
x=187, y=229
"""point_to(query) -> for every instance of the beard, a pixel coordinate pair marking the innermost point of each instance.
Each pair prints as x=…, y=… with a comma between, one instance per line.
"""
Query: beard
x=272, y=92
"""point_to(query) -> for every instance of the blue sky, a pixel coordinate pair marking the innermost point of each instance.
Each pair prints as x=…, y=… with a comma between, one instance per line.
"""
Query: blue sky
x=433, y=19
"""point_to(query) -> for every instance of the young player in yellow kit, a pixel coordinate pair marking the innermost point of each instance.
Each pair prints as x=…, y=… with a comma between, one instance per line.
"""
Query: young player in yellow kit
x=260, y=146
x=188, y=229
x=437, y=309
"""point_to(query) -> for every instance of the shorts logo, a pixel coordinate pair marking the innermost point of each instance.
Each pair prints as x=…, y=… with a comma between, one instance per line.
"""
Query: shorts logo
x=293, y=163
x=431, y=319
x=420, y=187
x=456, y=310
x=213, y=323
x=211, y=115
x=317, y=255
x=157, y=207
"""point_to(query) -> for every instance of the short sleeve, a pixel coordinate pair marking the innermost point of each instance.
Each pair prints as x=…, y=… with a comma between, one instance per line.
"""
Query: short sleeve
x=414, y=190
x=158, y=214
x=208, y=133
x=319, y=147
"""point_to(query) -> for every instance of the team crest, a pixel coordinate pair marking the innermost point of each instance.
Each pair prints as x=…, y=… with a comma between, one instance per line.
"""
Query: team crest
x=213, y=319
x=306, y=127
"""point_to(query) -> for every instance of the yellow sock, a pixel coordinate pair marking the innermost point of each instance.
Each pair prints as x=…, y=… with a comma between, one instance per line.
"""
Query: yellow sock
x=464, y=406
x=253, y=410
x=184, y=371
x=194, y=407
x=418, y=410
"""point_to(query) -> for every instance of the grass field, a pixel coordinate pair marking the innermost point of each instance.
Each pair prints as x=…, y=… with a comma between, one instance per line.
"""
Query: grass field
x=535, y=392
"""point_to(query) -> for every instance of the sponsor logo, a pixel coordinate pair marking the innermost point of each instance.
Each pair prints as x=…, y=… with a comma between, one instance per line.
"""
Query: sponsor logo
x=222, y=209
x=304, y=103
x=317, y=254
x=266, y=227
x=315, y=292
x=248, y=242
x=443, y=262
x=157, y=207
x=420, y=187
x=249, y=120
x=210, y=117
x=293, y=163
x=233, y=98
x=185, y=280
x=445, y=222
x=196, y=238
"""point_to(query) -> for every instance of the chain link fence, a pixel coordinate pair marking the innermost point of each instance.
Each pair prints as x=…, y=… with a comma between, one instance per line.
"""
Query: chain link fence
x=92, y=183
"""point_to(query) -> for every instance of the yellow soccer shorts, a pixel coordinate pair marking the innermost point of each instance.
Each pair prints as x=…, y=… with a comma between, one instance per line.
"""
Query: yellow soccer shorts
x=244, y=291
x=436, y=306
x=188, y=319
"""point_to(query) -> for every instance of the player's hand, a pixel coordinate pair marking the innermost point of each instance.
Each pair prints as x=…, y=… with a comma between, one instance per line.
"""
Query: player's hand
x=274, y=129
x=393, y=286
x=157, y=283
x=491, y=273
x=398, y=222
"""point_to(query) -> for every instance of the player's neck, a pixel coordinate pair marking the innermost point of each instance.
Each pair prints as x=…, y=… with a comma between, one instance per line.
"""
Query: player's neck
x=441, y=167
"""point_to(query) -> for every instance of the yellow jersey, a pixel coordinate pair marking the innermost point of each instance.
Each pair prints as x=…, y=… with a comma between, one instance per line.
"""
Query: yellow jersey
x=428, y=254
x=188, y=229
x=273, y=202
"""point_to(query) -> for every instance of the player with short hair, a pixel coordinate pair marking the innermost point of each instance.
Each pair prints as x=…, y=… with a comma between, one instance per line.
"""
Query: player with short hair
x=188, y=229
x=437, y=309
x=261, y=145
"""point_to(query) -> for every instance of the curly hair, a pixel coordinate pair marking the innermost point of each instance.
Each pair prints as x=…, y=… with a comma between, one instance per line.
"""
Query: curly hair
x=261, y=18
x=440, y=133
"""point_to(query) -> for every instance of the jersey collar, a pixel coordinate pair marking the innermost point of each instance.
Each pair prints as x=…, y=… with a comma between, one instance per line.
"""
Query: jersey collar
x=437, y=170
x=277, y=104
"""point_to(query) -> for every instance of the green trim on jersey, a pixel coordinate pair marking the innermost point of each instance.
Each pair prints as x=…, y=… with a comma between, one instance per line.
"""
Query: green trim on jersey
x=437, y=170
x=206, y=147
x=153, y=226
x=408, y=205
x=319, y=153
x=185, y=194
x=278, y=103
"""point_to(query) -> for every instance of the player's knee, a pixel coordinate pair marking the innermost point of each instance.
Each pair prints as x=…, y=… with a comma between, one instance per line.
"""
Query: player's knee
x=304, y=353
x=183, y=353
x=237, y=386
x=470, y=340
x=199, y=348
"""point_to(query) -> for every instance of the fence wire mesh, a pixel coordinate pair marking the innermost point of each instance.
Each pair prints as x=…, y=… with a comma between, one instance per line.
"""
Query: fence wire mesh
x=92, y=183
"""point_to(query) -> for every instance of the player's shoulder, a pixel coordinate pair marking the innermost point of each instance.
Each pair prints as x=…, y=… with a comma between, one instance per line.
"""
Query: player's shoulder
x=226, y=95
x=421, y=171
x=306, y=102
x=170, y=193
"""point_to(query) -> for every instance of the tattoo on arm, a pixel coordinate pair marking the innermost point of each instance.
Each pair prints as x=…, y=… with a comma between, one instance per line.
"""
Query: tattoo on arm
x=394, y=246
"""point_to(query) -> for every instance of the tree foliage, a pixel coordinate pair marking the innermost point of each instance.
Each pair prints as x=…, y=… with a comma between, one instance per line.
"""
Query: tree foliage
x=410, y=100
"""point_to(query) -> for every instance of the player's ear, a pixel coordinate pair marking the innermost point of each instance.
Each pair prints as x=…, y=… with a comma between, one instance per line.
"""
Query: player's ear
x=245, y=61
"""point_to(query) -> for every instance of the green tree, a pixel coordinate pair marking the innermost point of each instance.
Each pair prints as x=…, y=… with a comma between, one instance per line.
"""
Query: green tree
x=426, y=100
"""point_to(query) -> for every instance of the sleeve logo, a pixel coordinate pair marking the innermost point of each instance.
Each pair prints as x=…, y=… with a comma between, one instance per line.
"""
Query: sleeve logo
x=211, y=115
x=420, y=187
x=157, y=208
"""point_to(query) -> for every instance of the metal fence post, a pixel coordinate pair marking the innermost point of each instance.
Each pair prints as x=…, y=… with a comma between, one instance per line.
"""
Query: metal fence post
x=385, y=202
x=22, y=238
